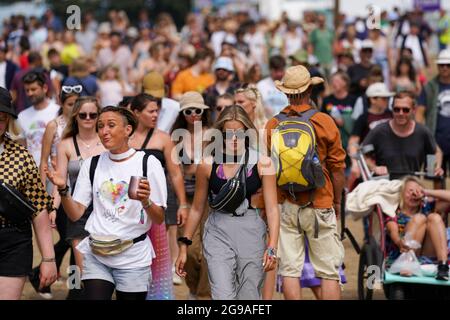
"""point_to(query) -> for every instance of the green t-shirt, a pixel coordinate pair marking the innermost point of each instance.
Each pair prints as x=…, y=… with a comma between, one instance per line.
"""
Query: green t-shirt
x=322, y=40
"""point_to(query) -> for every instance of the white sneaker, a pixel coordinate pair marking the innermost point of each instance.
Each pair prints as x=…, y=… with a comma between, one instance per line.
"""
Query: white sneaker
x=192, y=296
x=46, y=295
x=176, y=279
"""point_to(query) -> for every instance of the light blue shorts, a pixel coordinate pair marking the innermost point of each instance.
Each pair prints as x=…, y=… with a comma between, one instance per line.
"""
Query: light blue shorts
x=125, y=280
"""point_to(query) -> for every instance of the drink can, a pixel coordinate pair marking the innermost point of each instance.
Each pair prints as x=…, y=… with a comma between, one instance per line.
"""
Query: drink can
x=428, y=205
x=133, y=186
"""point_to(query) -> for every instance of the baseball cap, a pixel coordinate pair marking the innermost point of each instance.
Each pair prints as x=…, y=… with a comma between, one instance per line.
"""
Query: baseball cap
x=367, y=44
x=444, y=57
x=153, y=84
x=224, y=63
x=378, y=89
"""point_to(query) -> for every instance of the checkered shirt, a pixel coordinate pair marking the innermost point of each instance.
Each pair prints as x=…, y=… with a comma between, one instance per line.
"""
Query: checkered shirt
x=18, y=169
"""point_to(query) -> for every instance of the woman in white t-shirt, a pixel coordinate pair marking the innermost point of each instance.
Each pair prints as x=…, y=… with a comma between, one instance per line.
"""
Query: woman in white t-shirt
x=115, y=215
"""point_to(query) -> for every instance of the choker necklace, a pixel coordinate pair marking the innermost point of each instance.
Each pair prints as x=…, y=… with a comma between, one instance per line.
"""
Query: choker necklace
x=122, y=156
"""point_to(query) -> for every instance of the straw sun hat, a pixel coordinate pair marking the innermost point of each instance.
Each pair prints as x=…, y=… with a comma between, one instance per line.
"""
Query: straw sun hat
x=296, y=80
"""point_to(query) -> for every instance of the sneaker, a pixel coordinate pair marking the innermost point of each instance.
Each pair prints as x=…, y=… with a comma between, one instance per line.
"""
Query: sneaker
x=176, y=279
x=35, y=281
x=442, y=272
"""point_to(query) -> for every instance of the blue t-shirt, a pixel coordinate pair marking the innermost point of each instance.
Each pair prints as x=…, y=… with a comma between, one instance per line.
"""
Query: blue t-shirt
x=89, y=84
x=442, y=133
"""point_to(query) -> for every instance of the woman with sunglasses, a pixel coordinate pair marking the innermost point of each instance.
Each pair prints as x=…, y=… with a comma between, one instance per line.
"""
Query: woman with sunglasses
x=79, y=141
x=116, y=219
x=158, y=143
x=234, y=244
x=249, y=98
x=193, y=116
x=58, y=219
x=223, y=101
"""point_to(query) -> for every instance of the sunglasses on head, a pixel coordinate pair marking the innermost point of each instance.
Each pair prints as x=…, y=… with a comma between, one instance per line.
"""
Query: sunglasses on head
x=70, y=89
x=85, y=115
x=189, y=112
x=404, y=110
x=230, y=134
x=220, y=108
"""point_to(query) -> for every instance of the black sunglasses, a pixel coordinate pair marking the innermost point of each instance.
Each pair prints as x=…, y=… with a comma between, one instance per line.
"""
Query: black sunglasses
x=444, y=65
x=221, y=108
x=85, y=115
x=230, y=134
x=398, y=109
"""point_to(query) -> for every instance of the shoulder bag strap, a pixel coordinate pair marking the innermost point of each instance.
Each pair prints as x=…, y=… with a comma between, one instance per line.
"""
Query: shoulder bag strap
x=77, y=149
x=147, y=138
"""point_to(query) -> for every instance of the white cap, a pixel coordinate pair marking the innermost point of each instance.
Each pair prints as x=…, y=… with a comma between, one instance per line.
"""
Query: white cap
x=104, y=27
x=224, y=63
x=378, y=89
x=444, y=57
x=367, y=44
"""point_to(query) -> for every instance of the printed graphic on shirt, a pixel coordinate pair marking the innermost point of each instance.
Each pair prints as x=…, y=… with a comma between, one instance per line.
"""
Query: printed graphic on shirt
x=115, y=194
x=34, y=136
x=444, y=103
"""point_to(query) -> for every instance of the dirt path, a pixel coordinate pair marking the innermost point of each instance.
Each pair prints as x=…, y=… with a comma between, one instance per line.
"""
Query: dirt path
x=351, y=262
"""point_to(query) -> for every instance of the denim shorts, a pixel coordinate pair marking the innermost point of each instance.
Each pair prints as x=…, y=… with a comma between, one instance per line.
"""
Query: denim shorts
x=125, y=280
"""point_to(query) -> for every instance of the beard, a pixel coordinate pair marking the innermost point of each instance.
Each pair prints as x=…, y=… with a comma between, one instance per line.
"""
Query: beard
x=37, y=99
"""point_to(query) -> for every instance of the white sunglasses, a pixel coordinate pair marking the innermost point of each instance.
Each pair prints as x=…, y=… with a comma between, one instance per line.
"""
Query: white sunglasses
x=70, y=89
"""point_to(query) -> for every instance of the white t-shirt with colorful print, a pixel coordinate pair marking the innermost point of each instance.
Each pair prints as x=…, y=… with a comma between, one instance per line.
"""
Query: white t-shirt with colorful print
x=33, y=123
x=114, y=214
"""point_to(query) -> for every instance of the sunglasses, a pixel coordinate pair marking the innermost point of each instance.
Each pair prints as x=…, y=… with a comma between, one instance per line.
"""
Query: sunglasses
x=230, y=134
x=444, y=65
x=220, y=108
x=404, y=110
x=85, y=115
x=189, y=112
x=70, y=89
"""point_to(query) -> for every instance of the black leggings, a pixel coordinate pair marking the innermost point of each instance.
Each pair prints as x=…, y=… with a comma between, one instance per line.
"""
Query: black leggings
x=103, y=290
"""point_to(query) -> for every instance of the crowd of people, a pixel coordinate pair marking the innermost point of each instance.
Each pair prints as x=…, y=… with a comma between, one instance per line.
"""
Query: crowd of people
x=84, y=111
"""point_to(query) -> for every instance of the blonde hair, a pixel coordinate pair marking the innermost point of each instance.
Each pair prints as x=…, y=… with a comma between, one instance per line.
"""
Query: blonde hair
x=79, y=68
x=252, y=93
x=14, y=131
x=72, y=125
x=405, y=181
x=115, y=68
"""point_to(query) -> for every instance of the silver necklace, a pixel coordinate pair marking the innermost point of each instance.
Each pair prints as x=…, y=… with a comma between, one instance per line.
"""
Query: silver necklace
x=88, y=145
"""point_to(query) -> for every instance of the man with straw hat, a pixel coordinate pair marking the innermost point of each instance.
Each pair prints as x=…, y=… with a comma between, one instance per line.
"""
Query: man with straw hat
x=311, y=214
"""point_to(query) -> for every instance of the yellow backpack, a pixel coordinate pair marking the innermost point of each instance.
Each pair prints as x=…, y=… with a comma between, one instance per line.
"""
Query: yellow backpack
x=294, y=151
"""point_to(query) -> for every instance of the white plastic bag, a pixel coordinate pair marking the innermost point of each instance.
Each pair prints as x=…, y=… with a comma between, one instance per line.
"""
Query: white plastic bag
x=407, y=263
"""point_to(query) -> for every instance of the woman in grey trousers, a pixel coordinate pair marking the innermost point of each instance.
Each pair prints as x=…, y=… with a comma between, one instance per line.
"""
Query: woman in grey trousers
x=234, y=244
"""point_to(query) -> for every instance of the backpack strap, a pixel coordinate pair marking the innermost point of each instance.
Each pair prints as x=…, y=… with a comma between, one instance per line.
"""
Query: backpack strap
x=92, y=168
x=422, y=50
x=145, y=164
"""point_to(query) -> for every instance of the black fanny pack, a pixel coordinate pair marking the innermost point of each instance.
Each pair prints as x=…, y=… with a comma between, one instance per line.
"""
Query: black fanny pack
x=14, y=206
x=232, y=193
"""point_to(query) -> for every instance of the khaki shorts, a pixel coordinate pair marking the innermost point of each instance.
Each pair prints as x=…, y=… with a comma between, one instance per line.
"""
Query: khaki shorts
x=326, y=251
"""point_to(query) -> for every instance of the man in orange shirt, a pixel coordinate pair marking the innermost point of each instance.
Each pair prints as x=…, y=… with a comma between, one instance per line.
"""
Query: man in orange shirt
x=196, y=78
x=311, y=215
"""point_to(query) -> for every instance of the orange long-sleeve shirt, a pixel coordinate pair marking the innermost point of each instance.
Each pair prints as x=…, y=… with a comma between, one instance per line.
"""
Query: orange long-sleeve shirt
x=331, y=155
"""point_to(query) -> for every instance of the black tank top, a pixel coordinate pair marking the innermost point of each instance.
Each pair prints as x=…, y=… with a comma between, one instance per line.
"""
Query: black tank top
x=155, y=152
x=253, y=181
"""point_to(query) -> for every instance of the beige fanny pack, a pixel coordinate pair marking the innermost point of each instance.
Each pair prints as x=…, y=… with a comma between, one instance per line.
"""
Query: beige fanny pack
x=111, y=245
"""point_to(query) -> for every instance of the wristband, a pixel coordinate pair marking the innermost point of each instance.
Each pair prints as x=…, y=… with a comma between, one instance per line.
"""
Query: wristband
x=184, y=206
x=271, y=252
x=185, y=240
x=48, y=260
x=63, y=192
x=147, y=204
